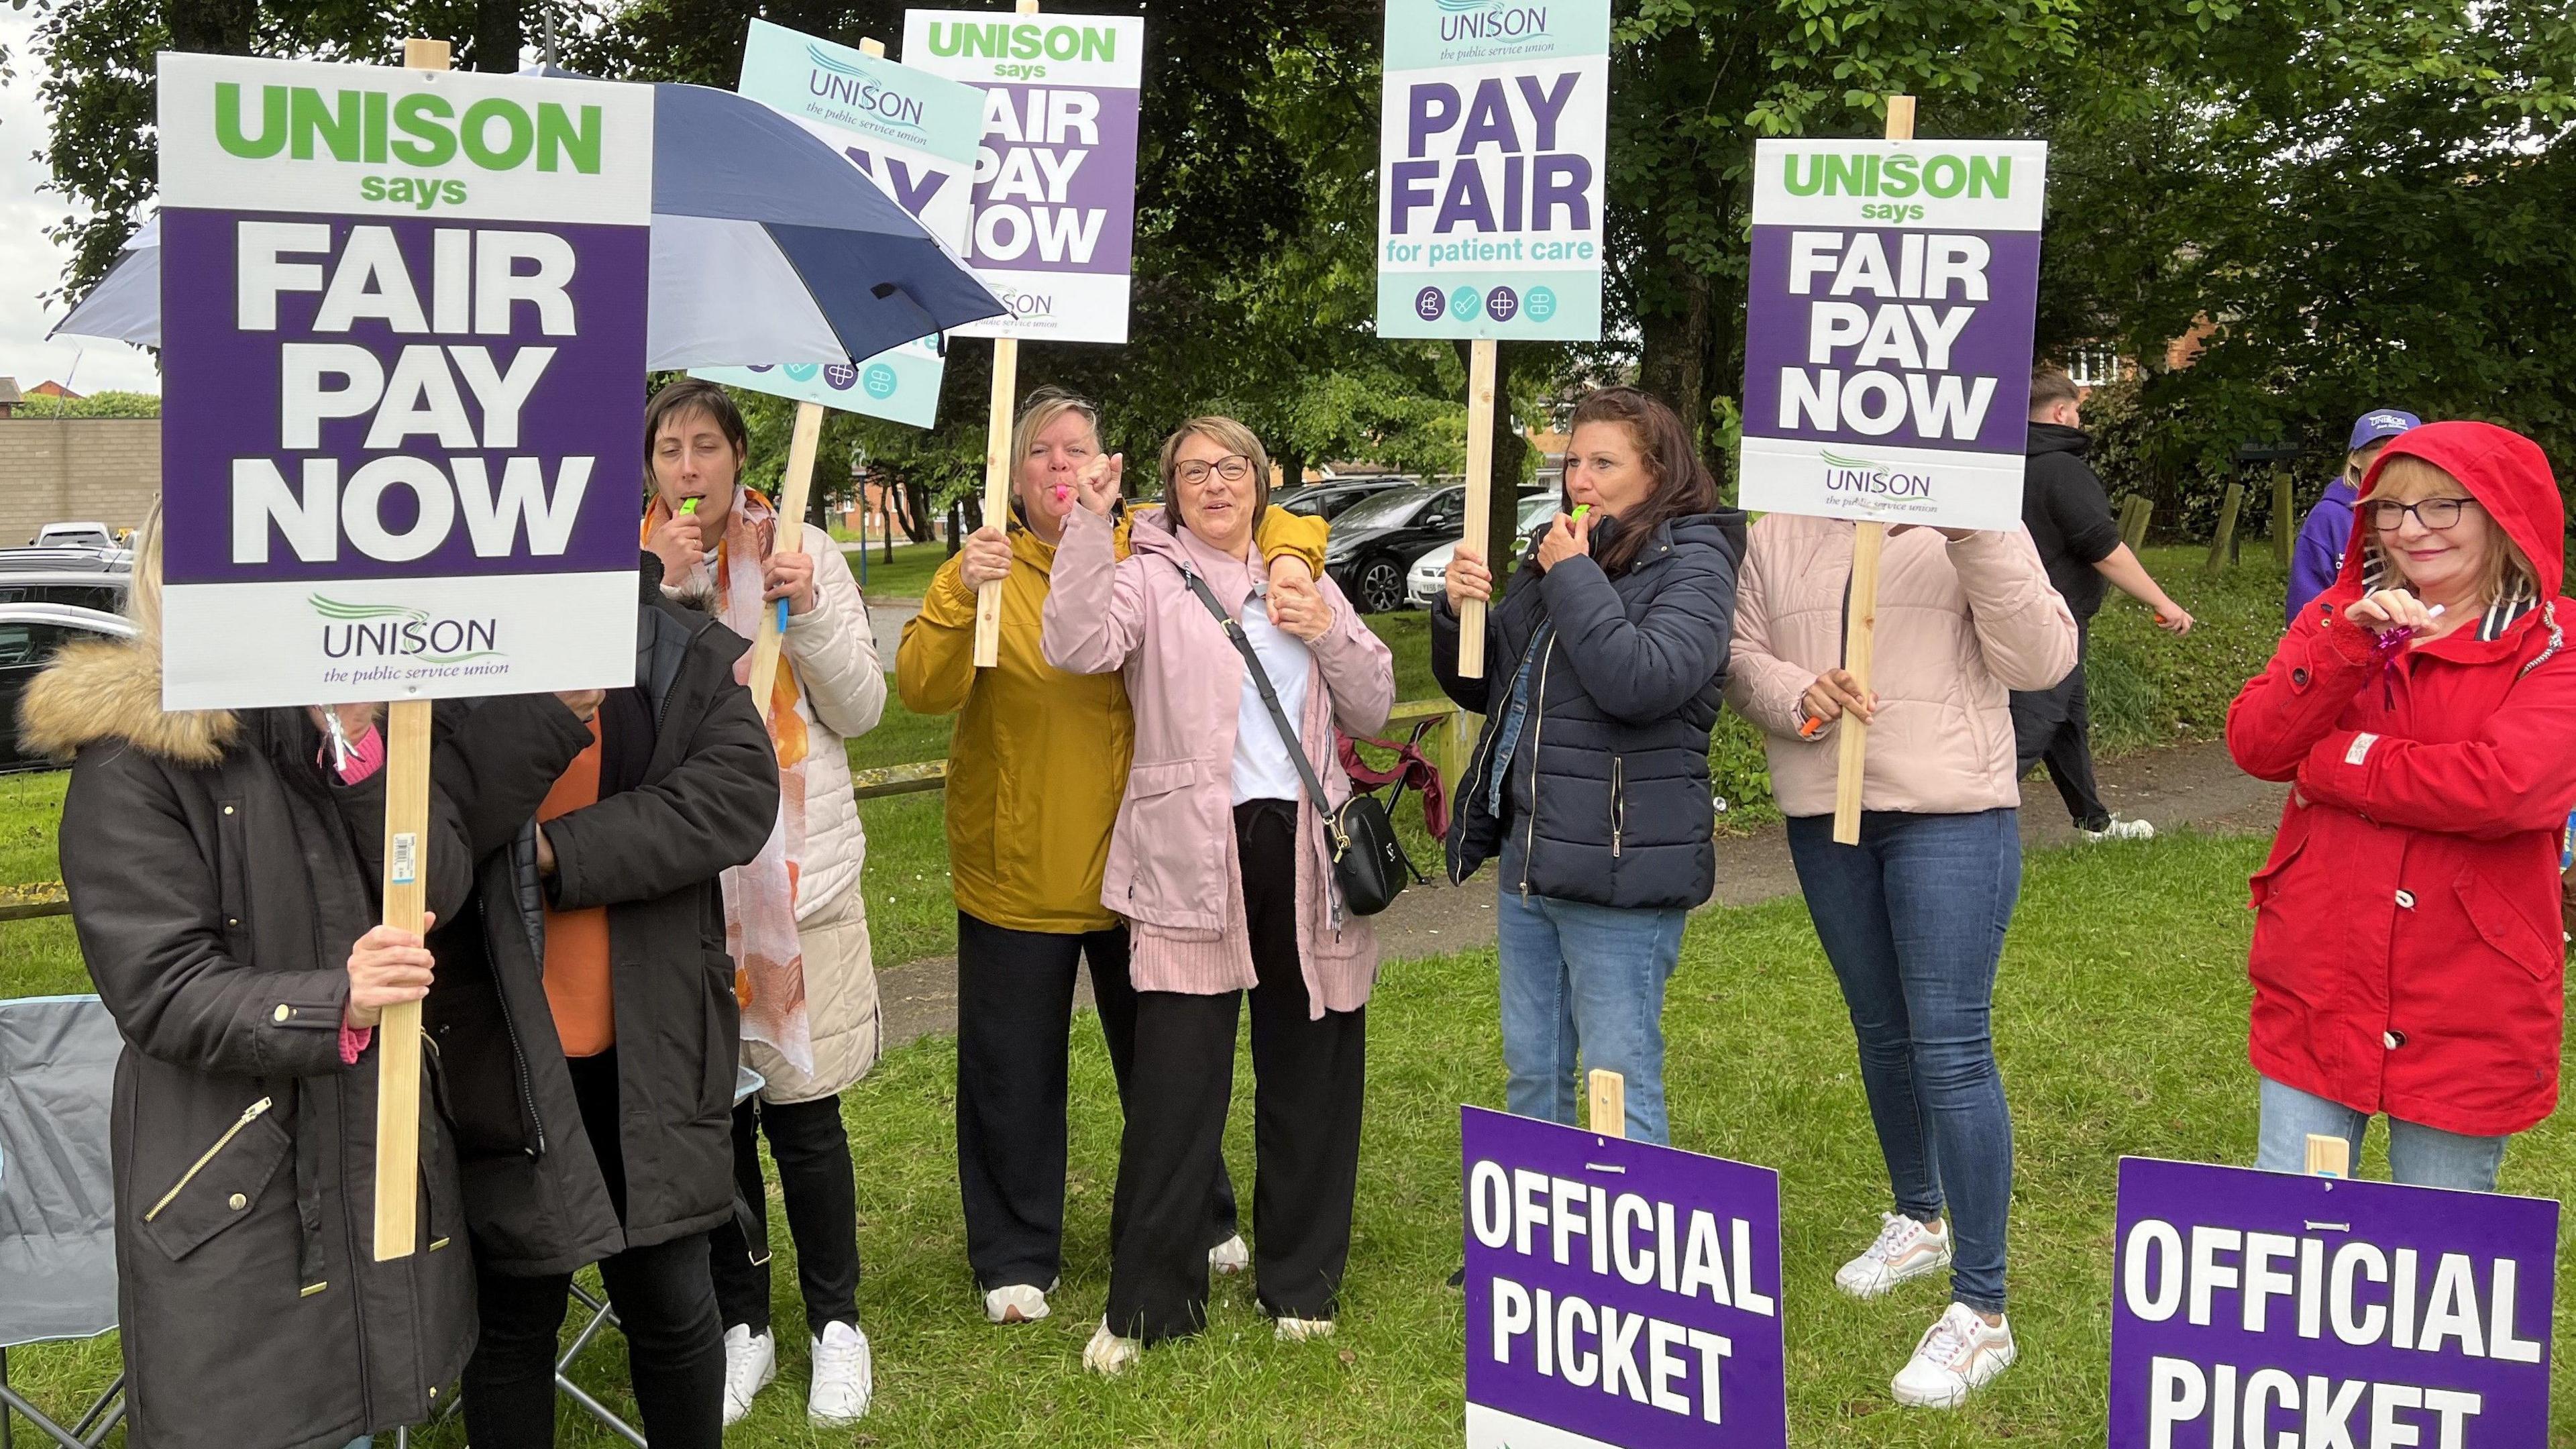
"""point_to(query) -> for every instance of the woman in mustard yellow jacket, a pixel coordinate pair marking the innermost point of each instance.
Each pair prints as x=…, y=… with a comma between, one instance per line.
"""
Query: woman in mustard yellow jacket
x=1035, y=772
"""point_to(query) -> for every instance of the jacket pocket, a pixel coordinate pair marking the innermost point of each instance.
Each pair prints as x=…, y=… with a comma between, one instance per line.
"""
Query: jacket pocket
x=1174, y=827
x=2286, y=850
x=723, y=1046
x=221, y=1186
x=2504, y=927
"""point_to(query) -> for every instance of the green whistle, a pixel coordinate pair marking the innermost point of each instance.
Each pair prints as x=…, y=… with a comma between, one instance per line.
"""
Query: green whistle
x=1581, y=509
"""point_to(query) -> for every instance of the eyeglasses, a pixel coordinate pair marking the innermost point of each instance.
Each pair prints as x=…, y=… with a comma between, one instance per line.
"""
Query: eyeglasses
x=1233, y=468
x=2435, y=513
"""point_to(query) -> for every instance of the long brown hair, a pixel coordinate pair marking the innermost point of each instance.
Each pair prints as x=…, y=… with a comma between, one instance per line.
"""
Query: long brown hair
x=1682, y=482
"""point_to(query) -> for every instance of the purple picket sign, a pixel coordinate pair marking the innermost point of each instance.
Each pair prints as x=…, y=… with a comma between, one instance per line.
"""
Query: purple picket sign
x=1618, y=1293
x=2249, y=1307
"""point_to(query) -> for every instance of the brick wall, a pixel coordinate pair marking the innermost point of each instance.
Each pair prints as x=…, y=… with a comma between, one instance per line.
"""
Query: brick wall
x=58, y=470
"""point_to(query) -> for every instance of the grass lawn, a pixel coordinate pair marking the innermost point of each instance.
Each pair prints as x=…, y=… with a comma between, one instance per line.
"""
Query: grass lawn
x=905, y=578
x=2121, y=1022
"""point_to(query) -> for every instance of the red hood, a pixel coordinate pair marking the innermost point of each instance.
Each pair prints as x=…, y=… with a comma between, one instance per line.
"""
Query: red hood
x=2508, y=475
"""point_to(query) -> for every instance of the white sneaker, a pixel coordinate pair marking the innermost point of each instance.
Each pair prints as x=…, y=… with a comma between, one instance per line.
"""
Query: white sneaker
x=1230, y=1256
x=1960, y=1352
x=1905, y=1250
x=1016, y=1303
x=1298, y=1330
x=1108, y=1354
x=750, y=1363
x=844, y=1377
x=2119, y=829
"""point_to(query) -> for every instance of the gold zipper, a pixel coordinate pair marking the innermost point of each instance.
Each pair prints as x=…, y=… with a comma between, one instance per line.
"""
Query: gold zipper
x=249, y=1115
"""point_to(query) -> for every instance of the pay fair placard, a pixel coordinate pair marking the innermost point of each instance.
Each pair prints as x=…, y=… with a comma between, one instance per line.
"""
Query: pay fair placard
x=1492, y=135
x=915, y=135
x=1888, y=329
x=403, y=346
x=1055, y=182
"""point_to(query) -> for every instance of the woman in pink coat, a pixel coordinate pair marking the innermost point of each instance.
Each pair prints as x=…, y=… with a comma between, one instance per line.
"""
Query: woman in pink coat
x=1219, y=865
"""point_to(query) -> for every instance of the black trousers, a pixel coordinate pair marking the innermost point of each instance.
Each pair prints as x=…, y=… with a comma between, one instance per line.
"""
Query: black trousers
x=816, y=1178
x=2055, y=726
x=1309, y=1077
x=1014, y=1018
x=666, y=1307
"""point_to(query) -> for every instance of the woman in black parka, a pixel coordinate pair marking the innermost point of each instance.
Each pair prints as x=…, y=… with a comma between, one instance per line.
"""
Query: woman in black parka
x=1603, y=667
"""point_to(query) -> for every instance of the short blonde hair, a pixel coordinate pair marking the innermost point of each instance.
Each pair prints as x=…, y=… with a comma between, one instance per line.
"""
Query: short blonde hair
x=2406, y=478
x=1230, y=435
x=1039, y=414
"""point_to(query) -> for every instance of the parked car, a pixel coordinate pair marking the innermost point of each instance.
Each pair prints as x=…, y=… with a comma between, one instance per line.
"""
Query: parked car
x=1330, y=499
x=1430, y=572
x=1375, y=541
x=30, y=635
x=71, y=576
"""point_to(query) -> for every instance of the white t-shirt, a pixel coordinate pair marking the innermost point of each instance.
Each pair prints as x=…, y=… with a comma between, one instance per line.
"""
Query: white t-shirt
x=1262, y=767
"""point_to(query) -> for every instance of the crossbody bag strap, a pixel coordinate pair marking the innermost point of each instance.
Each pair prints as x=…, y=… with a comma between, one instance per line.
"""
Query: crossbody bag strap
x=1269, y=696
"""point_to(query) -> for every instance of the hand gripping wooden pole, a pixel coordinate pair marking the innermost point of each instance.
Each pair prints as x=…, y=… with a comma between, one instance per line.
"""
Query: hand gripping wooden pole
x=998, y=466
x=1860, y=618
x=793, y=490
x=397, y=1228
x=1480, y=481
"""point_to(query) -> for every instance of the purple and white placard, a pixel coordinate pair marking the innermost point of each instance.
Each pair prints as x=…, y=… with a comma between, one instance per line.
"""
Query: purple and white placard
x=403, y=362
x=1055, y=183
x=1888, y=323
x=1619, y=1295
x=2256, y=1310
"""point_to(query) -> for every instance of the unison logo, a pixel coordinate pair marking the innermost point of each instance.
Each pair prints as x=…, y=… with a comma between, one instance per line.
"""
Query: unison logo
x=395, y=631
x=1862, y=475
x=834, y=79
x=417, y=129
x=1490, y=20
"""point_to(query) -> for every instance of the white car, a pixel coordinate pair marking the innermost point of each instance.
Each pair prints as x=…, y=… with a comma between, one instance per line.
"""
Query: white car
x=1431, y=571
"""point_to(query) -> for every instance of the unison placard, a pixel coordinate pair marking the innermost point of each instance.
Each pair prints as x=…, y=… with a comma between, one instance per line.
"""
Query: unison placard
x=1055, y=181
x=1888, y=321
x=916, y=136
x=1492, y=134
x=403, y=358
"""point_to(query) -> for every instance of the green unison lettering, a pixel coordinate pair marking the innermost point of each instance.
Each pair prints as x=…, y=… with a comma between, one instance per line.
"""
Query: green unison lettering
x=417, y=129
x=1942, y=175
x=1002, y=40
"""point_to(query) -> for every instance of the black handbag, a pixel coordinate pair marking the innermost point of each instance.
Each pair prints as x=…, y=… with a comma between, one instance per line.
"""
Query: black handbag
x=1369, y=868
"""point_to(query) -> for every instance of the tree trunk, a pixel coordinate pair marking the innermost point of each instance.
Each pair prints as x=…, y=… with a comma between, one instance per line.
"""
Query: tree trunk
x=496, y=35
x=1673, y=362
x=916, y=511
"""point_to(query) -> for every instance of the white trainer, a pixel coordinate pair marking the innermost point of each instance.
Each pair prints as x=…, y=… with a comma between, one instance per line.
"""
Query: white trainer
x=1298, y=1330
x=1016, y=1303
x=1905, y=1250
x=2119, y=829
x=1108, y=1354
x=1959, y=1353
x=750, y=1364
x=1230, y=1256
x=845, y=1377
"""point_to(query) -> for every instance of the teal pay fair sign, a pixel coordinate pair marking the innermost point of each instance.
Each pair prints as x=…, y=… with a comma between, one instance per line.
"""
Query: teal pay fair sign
x=1491, y=144
x=915, y=135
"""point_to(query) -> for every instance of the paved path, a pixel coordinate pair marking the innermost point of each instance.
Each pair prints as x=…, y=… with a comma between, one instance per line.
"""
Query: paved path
x=2193, y=785
x=887, y=617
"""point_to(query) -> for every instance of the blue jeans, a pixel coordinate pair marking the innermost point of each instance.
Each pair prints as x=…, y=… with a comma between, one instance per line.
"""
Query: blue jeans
x=1913, y=920
x=2418, y=1156
x=1585, y=980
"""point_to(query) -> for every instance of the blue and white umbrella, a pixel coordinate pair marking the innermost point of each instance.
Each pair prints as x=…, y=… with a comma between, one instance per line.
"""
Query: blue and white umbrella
x=768, y=246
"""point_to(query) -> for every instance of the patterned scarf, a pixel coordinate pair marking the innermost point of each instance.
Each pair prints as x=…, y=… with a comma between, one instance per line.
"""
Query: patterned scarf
x=760, y=898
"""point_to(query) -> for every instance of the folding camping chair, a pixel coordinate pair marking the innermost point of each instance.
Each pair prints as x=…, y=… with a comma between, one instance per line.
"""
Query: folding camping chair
x=57, y=1196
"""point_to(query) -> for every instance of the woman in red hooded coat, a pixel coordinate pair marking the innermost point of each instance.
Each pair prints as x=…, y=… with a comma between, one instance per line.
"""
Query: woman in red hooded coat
x=2407, y=956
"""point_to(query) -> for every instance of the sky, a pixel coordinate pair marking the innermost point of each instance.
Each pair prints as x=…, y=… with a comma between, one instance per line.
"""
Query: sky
x=31, y=265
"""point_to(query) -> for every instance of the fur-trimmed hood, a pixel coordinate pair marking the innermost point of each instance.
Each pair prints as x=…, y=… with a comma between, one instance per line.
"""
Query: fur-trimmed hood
x=100, y=691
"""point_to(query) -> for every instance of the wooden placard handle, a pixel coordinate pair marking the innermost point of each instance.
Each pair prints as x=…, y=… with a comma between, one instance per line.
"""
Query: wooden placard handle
x=1860, y=618
x=998, y=466
x=794, y=488
x=1476, y=528
x=2328, y=1155
x=1609, y=1093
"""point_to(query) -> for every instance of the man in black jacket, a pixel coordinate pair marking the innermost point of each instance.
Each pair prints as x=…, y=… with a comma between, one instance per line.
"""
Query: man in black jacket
x=586, y=1018
x=2069, y=517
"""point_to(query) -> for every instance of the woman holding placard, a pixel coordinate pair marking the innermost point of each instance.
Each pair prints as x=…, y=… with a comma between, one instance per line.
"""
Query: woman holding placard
x=1590, y=785
x=1036, y=769
x=1220, y=867
x=725, y=550
x=2407, y=950
x=1913, y=917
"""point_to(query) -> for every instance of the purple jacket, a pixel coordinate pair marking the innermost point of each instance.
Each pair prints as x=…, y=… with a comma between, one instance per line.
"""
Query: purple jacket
x=2317, y=557
x=1173, y=872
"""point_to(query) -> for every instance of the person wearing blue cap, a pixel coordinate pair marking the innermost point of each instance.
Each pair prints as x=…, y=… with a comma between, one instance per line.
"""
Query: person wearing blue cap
x=2317, y=557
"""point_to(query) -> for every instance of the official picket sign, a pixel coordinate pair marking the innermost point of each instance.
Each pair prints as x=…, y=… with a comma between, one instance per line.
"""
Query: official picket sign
x=1491, y=142
x=1888, y=321
x=1618, y=1293
x=916, y=136
x=403, y=352
x=2260, y=1310
x=1055, y=181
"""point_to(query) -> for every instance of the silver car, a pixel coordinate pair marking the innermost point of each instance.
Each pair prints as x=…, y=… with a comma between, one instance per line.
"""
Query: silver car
x=1431, y=571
